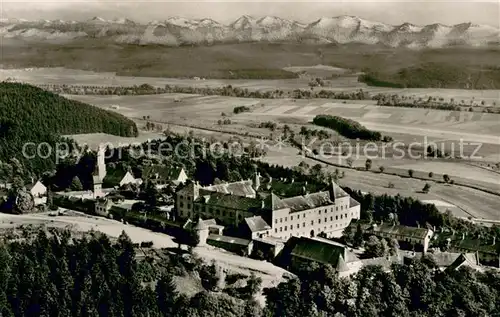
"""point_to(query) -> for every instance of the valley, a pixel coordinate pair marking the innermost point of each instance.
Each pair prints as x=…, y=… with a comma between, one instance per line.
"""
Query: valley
x=474, y=193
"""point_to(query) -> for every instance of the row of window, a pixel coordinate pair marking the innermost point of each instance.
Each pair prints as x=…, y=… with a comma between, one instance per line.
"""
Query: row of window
x=312, y=221
x=305, y=214
x=286, y=228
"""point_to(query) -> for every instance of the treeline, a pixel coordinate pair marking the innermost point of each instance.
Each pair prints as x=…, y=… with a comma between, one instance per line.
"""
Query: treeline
x=389, y=100
x=228, y=91
x=347, y=127
x=30, y=116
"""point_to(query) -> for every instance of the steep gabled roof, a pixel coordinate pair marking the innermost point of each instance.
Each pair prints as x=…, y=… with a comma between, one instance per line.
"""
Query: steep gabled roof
x=257, y=224
x=317, y=251
x=403, y=231
x=468, y=259
x=163, y=172
x=30, y=186
x=299, y=203
x=217, y=199
x=242, y=188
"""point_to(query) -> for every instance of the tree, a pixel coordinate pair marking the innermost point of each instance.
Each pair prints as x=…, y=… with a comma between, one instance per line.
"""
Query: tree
x=368, y=164
x=358, y=237
x=431, y=174
x=349, y=161
x=376, y=247
x=393, y=246
x=446, y=178
x=426, y=188
x=254, y=284
x=410, y=172
x=209, y=276
x=166, y=295
x=76, y=184
x=381, y=168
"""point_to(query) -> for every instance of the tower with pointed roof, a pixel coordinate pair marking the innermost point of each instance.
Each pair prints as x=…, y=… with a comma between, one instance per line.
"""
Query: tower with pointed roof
x=99, y=173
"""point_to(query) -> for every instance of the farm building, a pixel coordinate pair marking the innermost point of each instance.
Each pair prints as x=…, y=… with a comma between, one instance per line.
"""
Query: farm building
x=162, y=175
x=412, y=238
x=301, y=252
x=37, y=189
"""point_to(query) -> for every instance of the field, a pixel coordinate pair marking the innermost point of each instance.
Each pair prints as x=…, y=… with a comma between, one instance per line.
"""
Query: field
x=405, y=125
x=448, y=129
x=265, y=60
x=345, y=83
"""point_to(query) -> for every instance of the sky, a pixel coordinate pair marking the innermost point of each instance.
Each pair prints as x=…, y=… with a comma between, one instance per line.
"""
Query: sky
x=392, y=12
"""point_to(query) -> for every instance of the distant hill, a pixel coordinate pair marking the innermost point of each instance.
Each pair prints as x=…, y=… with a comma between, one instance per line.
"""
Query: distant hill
x=176, y=31
x=31, y=115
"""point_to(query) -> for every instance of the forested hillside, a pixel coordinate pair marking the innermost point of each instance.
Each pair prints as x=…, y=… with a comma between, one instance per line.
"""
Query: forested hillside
x=30, y=114
x=55, y=275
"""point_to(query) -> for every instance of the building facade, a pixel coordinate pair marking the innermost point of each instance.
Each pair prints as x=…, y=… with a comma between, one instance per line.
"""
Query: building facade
x=308, y=215
x=407, y=237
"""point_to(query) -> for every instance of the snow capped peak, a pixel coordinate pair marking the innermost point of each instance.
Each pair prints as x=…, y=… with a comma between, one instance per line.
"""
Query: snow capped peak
x=179, y=21
x=408, y=27
x=123, y=21
x=208, y=23
x=243, y=22
x=97, y=19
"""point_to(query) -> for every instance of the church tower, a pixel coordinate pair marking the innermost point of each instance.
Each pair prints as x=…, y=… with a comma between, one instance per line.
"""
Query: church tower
x=256, y=181
x=101, y=165
x=99, y=173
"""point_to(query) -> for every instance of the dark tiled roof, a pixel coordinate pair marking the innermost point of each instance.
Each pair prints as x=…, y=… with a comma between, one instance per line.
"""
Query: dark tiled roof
x=114, y=176
x=257, y=224
x=164, y=172
x=384, y=262
x=318, y=251
x=477, y=245
x=242, y=188
x=403, y=231
x=299, y=203
x=468, y=259
x=353, y=203
x=217, y=199
x=227, y=239
x=188, y=189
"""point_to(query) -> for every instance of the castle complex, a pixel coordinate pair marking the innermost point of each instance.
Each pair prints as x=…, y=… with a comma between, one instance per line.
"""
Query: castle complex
x=267, y=214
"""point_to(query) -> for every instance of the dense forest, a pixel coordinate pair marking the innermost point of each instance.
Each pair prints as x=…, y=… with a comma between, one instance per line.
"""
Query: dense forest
x=52, y=274
x=347, y=127
x=31, y=116
x=435, y=75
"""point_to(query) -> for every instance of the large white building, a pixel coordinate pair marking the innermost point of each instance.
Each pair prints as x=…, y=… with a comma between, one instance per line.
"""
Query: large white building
x=329, y=211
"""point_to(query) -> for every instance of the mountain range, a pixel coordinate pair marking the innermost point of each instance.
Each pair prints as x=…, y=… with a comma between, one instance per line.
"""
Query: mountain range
x=177, y=31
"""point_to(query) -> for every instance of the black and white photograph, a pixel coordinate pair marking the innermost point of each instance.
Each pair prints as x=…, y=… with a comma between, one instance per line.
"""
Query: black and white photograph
x=249, y=158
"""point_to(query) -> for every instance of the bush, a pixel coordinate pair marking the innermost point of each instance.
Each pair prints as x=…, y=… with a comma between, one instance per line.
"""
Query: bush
x=426, y=188
x=240, y=109
x=146, y=244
